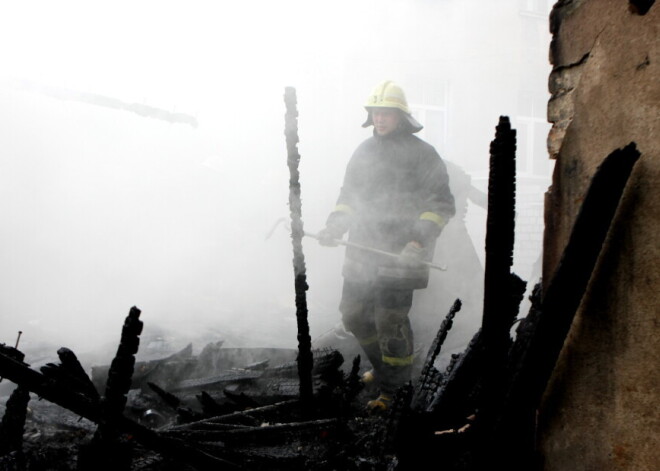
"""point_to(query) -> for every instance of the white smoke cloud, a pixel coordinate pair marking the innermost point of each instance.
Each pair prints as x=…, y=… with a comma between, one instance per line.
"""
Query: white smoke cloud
x=104, y=209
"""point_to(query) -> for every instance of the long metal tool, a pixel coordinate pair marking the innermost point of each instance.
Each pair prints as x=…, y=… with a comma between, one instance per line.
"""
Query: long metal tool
x=374, y=250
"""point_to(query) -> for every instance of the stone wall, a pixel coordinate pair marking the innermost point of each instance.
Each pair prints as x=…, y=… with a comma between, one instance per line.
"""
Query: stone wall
x=600, y=411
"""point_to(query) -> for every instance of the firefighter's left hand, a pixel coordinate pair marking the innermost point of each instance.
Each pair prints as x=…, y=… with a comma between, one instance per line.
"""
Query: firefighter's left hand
x=412, y=254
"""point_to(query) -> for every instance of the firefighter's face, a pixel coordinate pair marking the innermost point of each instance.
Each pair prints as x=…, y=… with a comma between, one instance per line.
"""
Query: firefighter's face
x=385, y=120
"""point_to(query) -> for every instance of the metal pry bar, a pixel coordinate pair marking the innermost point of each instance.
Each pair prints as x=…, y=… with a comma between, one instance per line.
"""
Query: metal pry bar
x=374, y=250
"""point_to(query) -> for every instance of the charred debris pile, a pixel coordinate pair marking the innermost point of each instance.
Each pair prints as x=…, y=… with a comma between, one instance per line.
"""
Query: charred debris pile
x=301, y=410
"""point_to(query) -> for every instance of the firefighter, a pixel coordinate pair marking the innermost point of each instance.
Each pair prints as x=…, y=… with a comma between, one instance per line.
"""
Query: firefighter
x=395, y=197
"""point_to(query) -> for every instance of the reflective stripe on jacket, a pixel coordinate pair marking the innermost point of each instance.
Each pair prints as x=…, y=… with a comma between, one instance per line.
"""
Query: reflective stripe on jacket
x=395, y=190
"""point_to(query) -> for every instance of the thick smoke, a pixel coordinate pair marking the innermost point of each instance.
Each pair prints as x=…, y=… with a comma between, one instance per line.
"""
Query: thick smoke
x=104, y=207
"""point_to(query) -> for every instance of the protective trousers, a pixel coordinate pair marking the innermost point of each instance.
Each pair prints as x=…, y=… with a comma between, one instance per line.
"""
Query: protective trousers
x=378, y=318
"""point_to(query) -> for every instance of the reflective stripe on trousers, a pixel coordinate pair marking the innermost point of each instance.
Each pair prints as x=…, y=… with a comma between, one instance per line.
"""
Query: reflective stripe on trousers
x=374, y=313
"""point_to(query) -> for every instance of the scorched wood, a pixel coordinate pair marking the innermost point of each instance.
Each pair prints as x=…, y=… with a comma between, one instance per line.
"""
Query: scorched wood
x=305, y=358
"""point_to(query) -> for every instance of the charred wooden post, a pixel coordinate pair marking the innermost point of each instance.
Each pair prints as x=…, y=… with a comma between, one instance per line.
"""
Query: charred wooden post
x=500, y=229
x=106, y=447
x=476, y=377
x=503, y=290
x=120, y=374
x=13, y=422
x=541, y=348
x=305, y=358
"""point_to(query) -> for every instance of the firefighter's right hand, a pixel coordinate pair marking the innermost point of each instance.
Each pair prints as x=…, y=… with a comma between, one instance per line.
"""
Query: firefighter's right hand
x=328, y=237
x=412, y=254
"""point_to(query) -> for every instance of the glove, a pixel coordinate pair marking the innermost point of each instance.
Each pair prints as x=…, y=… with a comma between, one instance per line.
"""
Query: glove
x=412, y=254
x=426, y=232
x=328, y=236
x=335, y=227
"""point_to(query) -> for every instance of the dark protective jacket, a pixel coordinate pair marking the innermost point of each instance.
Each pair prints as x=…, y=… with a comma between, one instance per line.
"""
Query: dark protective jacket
x=395, y=190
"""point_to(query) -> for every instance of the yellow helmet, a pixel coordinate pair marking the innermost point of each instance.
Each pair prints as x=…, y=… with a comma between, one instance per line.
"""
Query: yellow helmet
x=388, y=94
